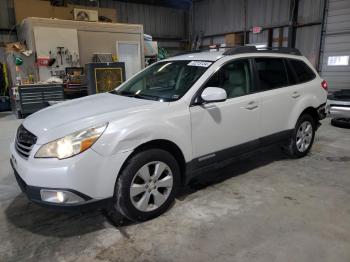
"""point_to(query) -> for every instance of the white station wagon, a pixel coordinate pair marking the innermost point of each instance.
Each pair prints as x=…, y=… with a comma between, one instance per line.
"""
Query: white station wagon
x=128, y=151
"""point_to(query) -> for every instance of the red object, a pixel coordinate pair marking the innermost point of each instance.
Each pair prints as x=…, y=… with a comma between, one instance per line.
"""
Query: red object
x=43, y=61
x=324, y=85
x=257, y=29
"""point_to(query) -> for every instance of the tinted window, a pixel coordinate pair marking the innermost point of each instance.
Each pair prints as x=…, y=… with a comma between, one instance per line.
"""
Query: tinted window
x=292, y=77
x=234, y=77
x=302, y=70
x=271, y=72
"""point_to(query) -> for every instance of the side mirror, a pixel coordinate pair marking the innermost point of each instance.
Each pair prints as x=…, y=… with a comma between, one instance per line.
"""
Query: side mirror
x=214, y=94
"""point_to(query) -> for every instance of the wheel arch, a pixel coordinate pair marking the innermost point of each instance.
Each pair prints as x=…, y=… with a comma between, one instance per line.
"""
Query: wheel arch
x=165, y=145
x=308, y=105
x=313, y=112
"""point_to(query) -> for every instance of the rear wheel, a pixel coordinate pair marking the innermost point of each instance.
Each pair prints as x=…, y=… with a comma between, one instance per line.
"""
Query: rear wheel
x=147, y=185
x=302, y=138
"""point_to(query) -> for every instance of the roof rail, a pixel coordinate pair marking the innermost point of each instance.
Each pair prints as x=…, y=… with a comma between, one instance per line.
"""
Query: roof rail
x=252, y=49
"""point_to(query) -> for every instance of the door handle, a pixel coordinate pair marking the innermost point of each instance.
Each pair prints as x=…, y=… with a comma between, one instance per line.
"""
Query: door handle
x=295, y=94
x=251, y=105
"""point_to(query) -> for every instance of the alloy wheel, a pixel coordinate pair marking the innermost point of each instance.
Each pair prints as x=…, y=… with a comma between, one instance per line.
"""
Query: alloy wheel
x=304, y=136
x=151, y=186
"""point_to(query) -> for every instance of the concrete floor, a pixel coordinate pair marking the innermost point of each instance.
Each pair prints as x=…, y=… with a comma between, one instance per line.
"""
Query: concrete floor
x=265, y=208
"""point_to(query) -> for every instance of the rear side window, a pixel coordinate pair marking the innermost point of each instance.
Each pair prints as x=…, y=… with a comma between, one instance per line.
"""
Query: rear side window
x=292, y=76
x=303, y=72
x=271, y=72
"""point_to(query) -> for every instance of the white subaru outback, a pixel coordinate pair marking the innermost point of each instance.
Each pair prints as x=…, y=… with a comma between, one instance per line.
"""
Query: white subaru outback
x=128, y=151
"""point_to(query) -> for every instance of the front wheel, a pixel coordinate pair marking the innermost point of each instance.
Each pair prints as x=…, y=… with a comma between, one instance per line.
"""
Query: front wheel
x=147, y=185
x=302, y=138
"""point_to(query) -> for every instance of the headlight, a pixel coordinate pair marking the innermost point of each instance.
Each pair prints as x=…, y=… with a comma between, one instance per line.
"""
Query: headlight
x=72, y=144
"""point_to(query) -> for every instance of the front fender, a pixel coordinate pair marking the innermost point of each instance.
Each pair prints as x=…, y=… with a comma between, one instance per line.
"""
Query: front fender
x=118, y=140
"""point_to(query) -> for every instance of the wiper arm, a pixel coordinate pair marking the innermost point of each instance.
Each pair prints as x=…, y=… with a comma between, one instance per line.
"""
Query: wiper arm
x=122, y=93
x=130, y=94
x=146, y=96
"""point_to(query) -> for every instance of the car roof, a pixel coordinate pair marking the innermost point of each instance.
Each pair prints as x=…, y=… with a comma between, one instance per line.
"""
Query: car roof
x=246, y=51
x=200, y=56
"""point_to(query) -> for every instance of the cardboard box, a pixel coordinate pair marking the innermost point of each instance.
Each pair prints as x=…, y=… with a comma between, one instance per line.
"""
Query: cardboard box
x=64, y=13
x=85, y=15
x=234, y=39
x=43, y=9
x=34, y=8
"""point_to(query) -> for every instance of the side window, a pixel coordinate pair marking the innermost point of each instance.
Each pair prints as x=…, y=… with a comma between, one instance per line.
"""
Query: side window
x=302, y=70
x=271, y=72
x=234, y=77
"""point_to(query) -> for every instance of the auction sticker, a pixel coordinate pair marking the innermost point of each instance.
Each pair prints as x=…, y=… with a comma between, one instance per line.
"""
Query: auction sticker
x=199, y=63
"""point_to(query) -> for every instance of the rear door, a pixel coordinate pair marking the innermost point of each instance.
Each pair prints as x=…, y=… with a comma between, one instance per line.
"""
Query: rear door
x=278, y=97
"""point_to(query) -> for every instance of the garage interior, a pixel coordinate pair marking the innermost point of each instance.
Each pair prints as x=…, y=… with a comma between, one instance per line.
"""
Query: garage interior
x=262, y=207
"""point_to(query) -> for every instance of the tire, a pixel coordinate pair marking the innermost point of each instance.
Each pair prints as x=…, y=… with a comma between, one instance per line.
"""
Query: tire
x=341, y=122
x=139, y=195
x=301, y=136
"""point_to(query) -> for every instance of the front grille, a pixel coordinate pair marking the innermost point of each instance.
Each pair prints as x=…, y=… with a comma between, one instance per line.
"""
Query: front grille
x=25, y=141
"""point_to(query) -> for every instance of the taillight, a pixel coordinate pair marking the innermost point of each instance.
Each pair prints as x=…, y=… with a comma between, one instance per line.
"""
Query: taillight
x=324, y=85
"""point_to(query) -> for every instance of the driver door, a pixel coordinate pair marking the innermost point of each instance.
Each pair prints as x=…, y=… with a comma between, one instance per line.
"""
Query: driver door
x=222, y=130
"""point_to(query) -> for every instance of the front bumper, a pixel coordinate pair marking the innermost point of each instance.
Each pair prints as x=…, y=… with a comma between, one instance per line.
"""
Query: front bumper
x=33, y=194
x=89, y=176
x=338, y=109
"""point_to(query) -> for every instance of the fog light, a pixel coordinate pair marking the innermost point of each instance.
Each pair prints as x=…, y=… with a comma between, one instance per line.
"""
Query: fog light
x=59, y=196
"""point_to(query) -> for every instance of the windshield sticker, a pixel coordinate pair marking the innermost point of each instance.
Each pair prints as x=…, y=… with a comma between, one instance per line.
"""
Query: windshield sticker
x=199, y=63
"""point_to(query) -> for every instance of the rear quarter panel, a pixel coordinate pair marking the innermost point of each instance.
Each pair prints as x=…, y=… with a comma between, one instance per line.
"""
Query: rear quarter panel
x=312, y=95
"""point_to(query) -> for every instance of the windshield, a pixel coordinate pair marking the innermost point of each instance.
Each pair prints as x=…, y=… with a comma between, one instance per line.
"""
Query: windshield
x=164, y=81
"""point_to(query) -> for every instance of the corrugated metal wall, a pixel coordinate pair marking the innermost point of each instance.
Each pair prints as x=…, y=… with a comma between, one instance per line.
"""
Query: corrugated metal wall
x=7, y=20
x=7, y=14
x=308, y=37
x=215, y=17
x=310, y=11
x=267, y=13
x=219, y=17
x=161, y=22
x=337, y=43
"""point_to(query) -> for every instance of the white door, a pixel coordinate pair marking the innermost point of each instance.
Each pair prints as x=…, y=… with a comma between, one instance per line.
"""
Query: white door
x=223, y=129
x=129, y=53
x=278, y=97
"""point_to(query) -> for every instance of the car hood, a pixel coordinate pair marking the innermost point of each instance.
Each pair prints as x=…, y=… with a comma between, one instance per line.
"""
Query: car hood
x=64, y=118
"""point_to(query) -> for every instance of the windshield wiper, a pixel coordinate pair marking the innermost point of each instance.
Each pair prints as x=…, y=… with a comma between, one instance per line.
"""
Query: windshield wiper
x=131, y=94
x=143, y=96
